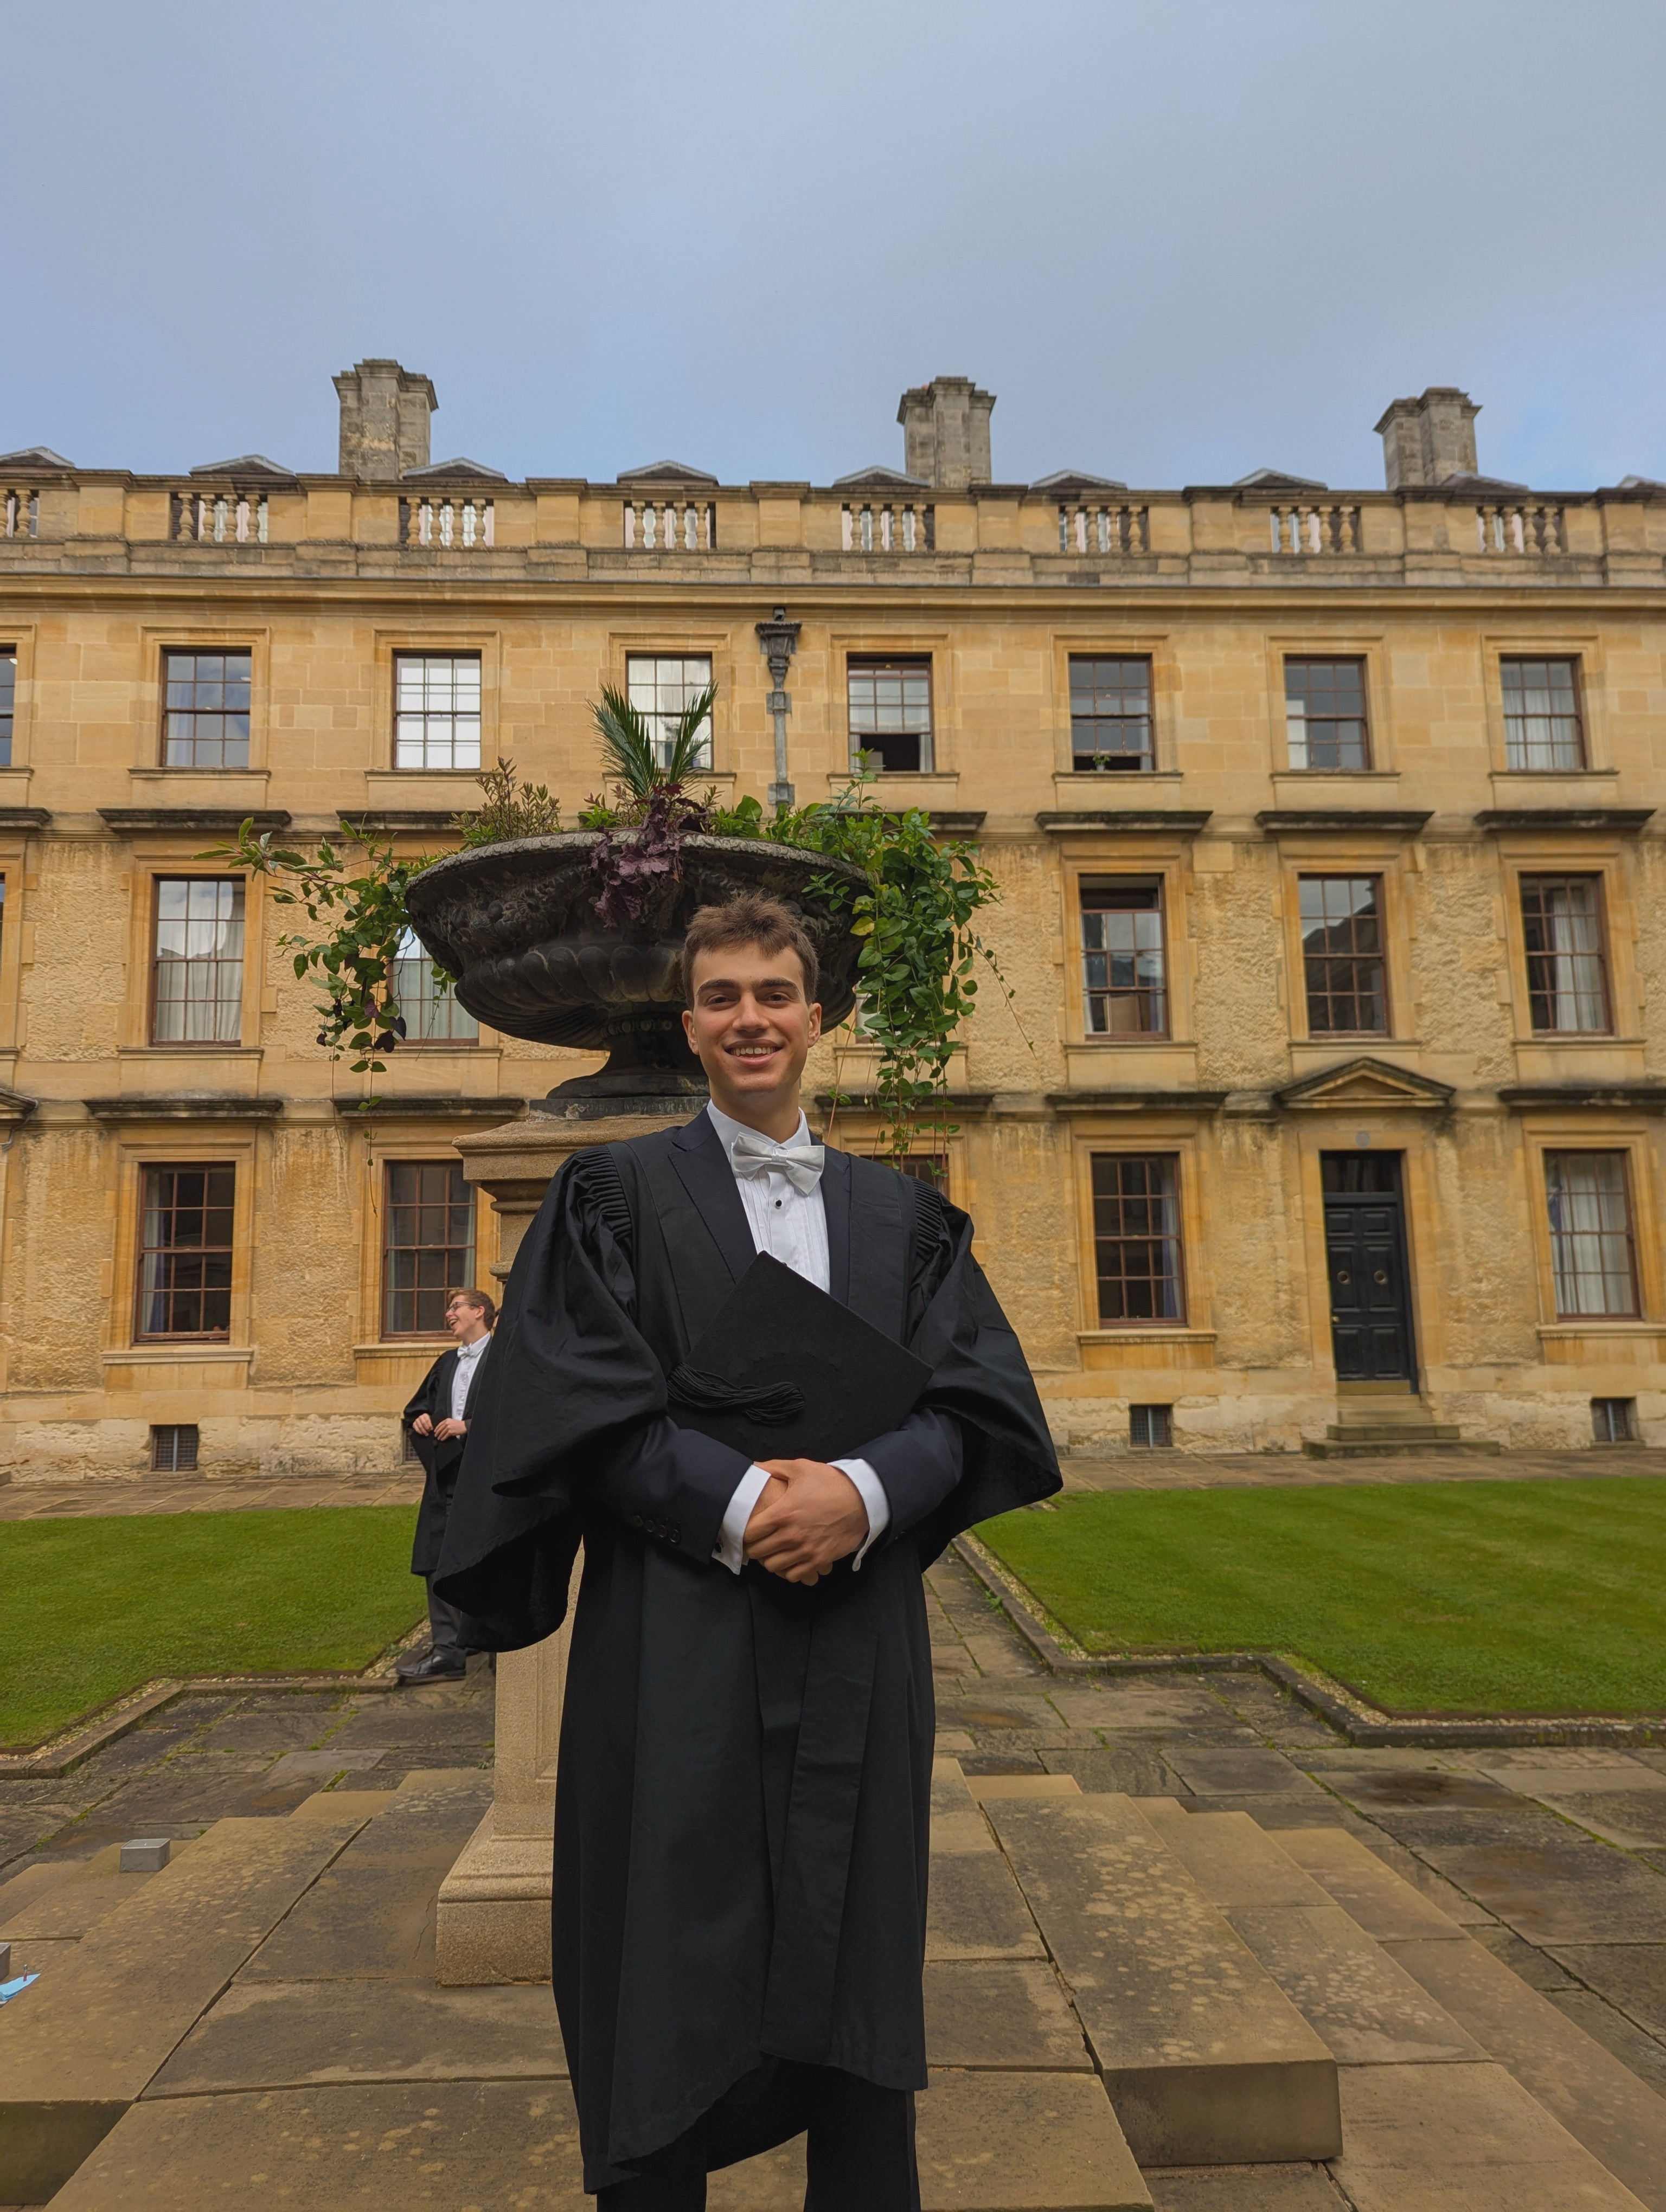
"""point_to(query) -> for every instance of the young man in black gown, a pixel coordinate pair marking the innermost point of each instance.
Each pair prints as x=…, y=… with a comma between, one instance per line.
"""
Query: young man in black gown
x=741, y=1828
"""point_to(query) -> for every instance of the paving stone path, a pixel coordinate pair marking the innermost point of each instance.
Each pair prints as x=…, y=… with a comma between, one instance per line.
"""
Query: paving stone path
x=1553, y=1861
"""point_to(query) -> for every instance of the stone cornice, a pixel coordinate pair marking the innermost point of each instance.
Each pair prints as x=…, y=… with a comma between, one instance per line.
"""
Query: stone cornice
x=1624, y=820
x=184, y=1106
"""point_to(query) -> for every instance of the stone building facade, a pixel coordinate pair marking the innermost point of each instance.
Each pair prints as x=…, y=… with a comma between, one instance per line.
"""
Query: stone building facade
x=1331, y=1086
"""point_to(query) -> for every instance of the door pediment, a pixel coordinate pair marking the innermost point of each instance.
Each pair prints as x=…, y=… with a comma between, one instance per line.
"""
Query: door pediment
x=1373, y=1084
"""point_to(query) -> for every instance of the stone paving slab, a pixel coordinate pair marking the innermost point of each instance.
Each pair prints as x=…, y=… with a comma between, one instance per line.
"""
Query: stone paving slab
x=1204, y=2057
x=1630, y=1976
x=987, y=2142
x=1634, y=1819
x=281, y=2035
x=1229, y=1772
x=975, y=1910
x=1243, y=2189
x=1539, y=1876
x=1596, y=2098
x=427, y=2147
x=372, y=1912
x=1462, y=2139
x=93, y=1500
x=80, y=2046
x=1370, y=1893
x=1005, y=2014
x=1413, y=1789
x=1368, y=2011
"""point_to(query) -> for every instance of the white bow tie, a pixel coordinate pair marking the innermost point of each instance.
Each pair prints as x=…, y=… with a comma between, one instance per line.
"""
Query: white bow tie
x=801, y=1164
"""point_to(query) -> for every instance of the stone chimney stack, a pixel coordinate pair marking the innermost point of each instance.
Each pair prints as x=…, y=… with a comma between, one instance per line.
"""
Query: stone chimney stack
x=385, y=413
x=945, y=432
x=1425, y=441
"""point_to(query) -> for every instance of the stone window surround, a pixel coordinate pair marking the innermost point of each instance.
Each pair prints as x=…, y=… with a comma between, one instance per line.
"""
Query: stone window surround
x=1370, y=646
x=149, y=691
x=1314, y=853
x=1598, y=1133
x=387, y=644
x=1610, y=860
x=1100, y=643
x=1184, y=1138
x=180, y=1144
x=1145, y=857
x=726, y=648
x=1584, y=647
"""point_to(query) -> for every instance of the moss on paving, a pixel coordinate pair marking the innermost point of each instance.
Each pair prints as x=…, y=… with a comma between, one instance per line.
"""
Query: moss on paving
x=1436, y=1597
x=94, y=1607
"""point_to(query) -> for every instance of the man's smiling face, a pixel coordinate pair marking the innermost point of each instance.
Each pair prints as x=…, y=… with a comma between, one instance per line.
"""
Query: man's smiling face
x=753, y=1027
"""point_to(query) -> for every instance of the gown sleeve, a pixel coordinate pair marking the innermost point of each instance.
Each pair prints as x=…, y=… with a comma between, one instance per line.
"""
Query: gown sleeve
x=572, y=1412
x=980, y=1379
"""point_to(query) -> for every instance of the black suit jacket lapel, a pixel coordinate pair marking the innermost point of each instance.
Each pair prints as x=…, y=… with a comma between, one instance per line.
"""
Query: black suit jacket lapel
x=836, y=1205
x=703, y=1169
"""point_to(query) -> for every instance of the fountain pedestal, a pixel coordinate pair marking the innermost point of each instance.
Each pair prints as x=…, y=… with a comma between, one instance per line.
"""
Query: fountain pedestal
x=493, y=1910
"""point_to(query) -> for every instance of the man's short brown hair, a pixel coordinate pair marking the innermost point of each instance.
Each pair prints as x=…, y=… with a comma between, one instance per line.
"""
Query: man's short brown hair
x=749, y=920
x=477, y=1298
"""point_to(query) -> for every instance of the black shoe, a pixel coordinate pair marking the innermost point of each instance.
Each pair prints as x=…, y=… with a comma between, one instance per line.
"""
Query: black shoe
x=432, y=1666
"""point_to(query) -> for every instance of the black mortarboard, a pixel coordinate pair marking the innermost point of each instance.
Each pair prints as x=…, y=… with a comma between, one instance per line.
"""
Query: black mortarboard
x=786, y=1372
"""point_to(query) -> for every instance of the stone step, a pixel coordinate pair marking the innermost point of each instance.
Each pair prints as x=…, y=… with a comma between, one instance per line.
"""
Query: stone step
x=1353, y=1444
x=1405, y=1432
x=80, y=2046
x=1368, y=2010
x=1206, y=2060
x=1595, y=2096
x=987, y=2143
x=975, y=1910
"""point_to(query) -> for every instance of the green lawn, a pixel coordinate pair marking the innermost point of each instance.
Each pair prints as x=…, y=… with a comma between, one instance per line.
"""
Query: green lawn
x=92, y=1609
x=1518, y=1597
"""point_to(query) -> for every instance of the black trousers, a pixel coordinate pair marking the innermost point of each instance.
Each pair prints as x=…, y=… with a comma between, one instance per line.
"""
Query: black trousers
x=445, y=1622
x=859, y=2155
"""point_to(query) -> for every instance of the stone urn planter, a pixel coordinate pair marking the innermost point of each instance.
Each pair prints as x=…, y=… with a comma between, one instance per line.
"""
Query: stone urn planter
x=516, y=925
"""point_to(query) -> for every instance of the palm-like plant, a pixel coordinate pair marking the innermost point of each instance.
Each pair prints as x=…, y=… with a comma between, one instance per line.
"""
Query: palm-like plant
x=628, y=746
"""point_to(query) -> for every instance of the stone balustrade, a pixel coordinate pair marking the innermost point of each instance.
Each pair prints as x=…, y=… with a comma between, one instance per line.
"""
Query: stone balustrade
x=461, y=524
x=1528, y=527
x=670, y=526
x=1103, y=529
x=1334, y=529
x=233, y=518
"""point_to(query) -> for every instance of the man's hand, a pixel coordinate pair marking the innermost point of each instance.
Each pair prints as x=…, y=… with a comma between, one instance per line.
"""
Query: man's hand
x=421, y=1426
x=446, y=1429
x=809, y=1515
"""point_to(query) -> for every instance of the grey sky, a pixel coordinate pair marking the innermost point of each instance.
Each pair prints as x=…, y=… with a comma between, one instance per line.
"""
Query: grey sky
x=1180, y=240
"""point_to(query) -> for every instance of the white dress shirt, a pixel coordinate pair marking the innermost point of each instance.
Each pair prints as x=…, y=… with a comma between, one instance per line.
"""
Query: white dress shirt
x=791, y=1225
x=468, y=1358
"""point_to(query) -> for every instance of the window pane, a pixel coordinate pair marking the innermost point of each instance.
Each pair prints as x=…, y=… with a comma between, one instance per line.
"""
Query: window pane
x=1123, y=980
x=197, y=994
x=1325, y=714
x=205, y=718
x=890, y=713
x=1541, y=726
x=431, y=1010
x=1590, y=1233
x=436, y=718
x=662, y=687
x=7, y=702
x=1562, y=930
x=1136, y=1236
x=185, y=1252
x=429, y=1245
x=1110, y=715
x=1342, y=955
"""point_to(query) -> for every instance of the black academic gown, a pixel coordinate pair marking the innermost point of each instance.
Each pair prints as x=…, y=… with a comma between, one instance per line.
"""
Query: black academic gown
x=741, y=1830
x=441, y=1458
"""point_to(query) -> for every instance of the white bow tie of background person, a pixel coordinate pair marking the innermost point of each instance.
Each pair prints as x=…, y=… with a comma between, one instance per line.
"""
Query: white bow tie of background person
x=751, y=1020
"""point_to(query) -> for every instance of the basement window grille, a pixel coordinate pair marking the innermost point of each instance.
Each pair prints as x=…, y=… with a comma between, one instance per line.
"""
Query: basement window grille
x=1150, y=1428
x=173, y=1448
x=1614, y=1421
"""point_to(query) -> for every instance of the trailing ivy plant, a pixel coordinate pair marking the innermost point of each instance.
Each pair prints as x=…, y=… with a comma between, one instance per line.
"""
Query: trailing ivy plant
x=917, y=973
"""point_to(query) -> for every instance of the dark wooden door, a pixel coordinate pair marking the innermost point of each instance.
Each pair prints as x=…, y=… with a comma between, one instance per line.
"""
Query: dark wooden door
x=1370, y=1321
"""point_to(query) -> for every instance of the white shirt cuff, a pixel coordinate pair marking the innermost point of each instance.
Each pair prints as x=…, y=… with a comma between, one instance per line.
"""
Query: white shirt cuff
x=873, y=1493
x=731, y=1547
